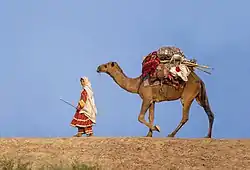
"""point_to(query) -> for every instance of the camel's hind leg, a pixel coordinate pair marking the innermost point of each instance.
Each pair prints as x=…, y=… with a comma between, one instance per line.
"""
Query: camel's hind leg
x=151, y=118
x=185, y=117
x=141, y=118
x=187, y=97
x=202, y=100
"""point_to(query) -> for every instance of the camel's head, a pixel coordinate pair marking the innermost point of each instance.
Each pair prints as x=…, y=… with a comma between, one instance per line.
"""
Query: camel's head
x=108, y=67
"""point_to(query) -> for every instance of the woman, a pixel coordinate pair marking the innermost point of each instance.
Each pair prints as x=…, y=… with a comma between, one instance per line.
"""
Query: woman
x=85, y=116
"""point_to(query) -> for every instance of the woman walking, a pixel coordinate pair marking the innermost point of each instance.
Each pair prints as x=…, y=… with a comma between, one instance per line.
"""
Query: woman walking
x=85, y=116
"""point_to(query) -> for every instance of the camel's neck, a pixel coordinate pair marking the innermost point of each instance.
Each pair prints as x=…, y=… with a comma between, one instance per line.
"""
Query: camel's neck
x=129, y=84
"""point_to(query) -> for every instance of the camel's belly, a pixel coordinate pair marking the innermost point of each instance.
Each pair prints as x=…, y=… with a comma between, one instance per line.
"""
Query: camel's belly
x=167, y=95
x=159, y=94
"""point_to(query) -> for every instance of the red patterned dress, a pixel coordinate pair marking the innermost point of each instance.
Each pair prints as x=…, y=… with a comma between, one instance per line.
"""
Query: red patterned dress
x=80, y=120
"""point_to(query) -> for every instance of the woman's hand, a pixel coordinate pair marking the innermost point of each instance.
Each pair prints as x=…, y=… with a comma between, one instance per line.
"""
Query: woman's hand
x=81, y=103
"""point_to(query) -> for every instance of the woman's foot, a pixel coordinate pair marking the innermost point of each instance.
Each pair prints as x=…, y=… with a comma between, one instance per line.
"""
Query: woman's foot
x=89, y=135
x=78, y=135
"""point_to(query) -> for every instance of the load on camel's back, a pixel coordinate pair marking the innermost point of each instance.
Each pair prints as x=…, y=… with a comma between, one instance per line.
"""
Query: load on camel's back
x=167, y=65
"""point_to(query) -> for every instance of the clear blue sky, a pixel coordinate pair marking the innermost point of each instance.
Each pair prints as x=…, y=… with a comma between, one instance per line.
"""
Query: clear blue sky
x=45, y=46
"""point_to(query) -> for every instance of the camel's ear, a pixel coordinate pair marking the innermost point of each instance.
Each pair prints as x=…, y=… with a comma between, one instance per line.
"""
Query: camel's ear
x=113, y=64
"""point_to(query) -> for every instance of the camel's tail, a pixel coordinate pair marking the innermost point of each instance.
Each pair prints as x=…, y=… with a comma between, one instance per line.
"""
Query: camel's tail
x=202, y=99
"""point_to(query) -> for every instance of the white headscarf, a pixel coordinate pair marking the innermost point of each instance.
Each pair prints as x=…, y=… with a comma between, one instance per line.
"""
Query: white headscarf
x=90, y=108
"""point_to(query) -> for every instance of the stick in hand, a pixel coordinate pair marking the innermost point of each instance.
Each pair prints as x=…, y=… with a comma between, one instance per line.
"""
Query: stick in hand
x=68, y=103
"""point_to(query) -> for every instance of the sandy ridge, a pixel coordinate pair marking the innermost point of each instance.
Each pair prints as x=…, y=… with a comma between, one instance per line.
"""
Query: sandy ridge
x=132, y=152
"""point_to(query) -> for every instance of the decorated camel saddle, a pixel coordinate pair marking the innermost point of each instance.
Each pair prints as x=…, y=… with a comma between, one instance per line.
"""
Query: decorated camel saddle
x=167, y=65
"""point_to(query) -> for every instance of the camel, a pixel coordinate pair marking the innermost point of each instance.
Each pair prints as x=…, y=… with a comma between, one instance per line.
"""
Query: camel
x=194, y=89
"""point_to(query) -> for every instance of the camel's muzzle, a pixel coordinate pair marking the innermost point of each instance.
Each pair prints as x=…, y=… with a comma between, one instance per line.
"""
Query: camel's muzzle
x=98, y=69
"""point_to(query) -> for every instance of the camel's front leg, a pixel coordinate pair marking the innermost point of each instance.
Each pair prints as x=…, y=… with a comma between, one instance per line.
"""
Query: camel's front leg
x=185, y=116
x=141, y=118
x=151, y=119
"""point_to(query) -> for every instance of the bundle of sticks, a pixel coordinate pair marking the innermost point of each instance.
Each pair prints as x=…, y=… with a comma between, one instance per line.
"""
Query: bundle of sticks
x=197, y=66
x=190, y=63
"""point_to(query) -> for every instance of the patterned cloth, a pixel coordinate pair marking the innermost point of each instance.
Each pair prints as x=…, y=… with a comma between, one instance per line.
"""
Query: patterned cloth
x=171, y=72
x=80, y=120
x=89, y=109
x=150, y=64
x=181, y=71
x=83, y=123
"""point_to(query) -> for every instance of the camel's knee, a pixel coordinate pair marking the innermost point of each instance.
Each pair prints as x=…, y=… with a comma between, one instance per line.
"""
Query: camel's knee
x=141, y=118
x=185, y=116
x=185, y=112
x=184, y=120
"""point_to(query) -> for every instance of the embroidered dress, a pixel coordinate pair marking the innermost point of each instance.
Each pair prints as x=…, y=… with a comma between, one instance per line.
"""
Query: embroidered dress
x=85, y=115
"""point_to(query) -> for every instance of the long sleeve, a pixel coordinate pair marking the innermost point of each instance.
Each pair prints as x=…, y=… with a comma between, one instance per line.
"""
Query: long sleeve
x=83, y=99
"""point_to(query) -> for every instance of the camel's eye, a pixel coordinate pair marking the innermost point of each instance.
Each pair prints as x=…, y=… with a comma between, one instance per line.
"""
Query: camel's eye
x=112, y=64
x=105, y=66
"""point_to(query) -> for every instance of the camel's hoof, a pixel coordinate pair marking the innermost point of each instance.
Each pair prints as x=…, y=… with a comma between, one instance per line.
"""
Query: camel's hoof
x=157, y=128
x=150, y=134
x=171, y=135
x=207, y=136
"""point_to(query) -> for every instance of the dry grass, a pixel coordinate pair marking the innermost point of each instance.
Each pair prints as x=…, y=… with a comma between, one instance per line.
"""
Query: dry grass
x=124, y=153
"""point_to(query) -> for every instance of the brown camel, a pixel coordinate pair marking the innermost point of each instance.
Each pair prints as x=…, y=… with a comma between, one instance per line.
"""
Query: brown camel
x=193, y=89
